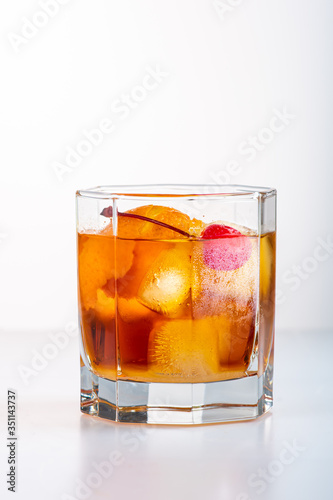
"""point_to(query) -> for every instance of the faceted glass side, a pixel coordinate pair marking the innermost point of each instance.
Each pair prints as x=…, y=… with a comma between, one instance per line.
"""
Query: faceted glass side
x=148, y=355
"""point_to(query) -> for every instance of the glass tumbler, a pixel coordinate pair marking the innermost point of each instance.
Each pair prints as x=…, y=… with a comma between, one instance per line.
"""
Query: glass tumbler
x=176, y=288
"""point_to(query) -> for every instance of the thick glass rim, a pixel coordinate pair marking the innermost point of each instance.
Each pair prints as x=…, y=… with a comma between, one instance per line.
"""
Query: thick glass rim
x=196, y=191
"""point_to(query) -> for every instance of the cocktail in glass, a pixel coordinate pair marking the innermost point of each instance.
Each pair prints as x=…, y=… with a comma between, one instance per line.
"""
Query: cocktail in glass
x=176, y=302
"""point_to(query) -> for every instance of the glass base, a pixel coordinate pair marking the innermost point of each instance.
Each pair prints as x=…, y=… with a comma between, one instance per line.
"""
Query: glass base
x=183, y=404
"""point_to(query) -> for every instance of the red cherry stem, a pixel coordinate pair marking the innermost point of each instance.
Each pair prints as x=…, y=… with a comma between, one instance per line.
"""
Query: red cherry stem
x=108, y=212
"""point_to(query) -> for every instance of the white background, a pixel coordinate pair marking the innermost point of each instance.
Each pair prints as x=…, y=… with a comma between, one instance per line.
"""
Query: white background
x=226, y=75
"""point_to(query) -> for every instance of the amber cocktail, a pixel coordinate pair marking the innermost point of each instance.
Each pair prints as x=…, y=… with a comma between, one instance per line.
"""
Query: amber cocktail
x=176, y=302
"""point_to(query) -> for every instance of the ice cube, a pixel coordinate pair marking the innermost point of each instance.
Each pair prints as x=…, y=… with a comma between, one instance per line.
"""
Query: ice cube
x=184, y=349
x=166, y=287
x=145, y=253
x=212, y=287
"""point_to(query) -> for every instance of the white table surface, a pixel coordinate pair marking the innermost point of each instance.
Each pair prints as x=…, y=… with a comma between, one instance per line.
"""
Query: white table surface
x=57, y=446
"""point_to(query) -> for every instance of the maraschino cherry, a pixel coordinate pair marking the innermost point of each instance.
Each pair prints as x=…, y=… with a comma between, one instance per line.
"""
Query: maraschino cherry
x=231, y=251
